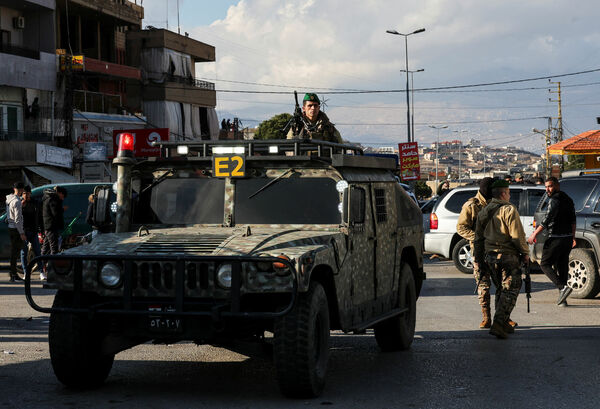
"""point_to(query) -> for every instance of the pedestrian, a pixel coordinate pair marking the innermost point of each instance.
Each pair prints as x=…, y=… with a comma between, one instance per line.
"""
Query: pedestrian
x=443, y=188
x=508, y=178
x=559, y=223
x=14, y=218
x=53, y=219
x=315, y=123
x=519, y=179
x=539, y=180
x=31, y=225
x=501, y=243
x=466, y=229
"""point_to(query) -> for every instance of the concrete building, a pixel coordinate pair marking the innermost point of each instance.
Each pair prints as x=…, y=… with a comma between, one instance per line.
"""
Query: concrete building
x=27, y=84
x=169, y=94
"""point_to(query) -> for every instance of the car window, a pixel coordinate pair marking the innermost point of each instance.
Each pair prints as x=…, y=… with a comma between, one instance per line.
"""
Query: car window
x=515, y=197
x=533, y=197
x=458, y=199
x=579, y=190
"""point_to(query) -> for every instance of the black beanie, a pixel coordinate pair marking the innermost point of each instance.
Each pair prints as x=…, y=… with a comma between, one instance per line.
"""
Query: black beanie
x=485, y=187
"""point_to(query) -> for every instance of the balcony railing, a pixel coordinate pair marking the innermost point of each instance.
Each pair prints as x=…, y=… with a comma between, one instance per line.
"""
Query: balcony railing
x=20, y=51
x=87, y=101
x=191, y=81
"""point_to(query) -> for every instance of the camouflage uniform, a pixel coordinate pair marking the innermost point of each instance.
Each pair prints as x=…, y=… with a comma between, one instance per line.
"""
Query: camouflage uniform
x=321, y=129
x=500, y=241
x=466, y=228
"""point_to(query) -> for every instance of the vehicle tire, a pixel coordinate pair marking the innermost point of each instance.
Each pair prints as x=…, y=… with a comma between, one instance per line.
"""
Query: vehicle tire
x=301, y=345
x=583, y=274
x=397, y=333
x=75, y=347
x=463, y=257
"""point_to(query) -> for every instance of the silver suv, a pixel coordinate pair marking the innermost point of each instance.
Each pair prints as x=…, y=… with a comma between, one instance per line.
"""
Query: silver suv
x=442, y=237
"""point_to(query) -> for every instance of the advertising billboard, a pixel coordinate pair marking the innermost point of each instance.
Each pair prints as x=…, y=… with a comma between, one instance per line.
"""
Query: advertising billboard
x=409, y=161
x=143, y=139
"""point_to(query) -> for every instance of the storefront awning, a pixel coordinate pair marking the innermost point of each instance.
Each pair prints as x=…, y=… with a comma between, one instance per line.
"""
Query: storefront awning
x=52, y=174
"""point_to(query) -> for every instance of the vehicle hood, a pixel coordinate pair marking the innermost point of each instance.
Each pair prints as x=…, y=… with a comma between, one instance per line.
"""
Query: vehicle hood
x=215, y=241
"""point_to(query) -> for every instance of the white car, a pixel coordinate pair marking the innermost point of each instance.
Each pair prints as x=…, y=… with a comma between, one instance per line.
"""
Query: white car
x=442, y=237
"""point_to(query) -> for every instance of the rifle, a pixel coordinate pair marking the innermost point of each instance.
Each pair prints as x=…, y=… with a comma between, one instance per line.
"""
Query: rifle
x=297, y=121
x=527, y=282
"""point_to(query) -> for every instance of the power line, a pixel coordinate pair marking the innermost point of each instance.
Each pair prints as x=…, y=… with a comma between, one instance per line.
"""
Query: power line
x=442, y=123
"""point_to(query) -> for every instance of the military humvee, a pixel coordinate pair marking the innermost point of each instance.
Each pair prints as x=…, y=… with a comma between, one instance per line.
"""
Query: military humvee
x=225, y=240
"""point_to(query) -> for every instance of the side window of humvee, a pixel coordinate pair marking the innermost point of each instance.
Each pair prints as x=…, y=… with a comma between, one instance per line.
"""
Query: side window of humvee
x=357, y=205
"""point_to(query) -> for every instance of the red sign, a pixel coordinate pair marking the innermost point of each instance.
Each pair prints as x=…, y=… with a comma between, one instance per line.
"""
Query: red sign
x=142, y=141
x=409, y=161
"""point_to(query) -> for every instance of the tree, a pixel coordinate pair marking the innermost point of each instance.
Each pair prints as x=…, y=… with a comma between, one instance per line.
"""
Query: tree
x=273, y=128
x=575, y=162
x=422, y=190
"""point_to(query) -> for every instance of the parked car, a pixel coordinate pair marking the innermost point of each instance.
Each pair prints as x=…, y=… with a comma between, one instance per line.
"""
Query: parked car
x=426, y=209
x=75, y=203
x=584, y=259
x=442, y=237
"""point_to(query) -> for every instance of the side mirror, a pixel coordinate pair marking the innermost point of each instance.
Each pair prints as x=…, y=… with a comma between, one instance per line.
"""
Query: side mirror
x=354, y=205
x=101, y=205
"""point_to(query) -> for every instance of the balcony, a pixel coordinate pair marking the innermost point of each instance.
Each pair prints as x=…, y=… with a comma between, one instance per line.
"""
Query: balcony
x=86, y=101
x=194, y=82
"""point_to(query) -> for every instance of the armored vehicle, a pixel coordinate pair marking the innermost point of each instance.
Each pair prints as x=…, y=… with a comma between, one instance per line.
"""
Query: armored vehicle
x=218, y=241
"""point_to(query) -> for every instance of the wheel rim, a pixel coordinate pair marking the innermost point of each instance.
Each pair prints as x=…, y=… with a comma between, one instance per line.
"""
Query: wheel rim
x=578, y=275
x=464, y=256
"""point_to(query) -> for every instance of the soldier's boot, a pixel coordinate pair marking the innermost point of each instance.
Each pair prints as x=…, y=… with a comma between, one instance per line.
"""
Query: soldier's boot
x=508, y=328
x=486, y=322
x=498, y=330
x=511, y=323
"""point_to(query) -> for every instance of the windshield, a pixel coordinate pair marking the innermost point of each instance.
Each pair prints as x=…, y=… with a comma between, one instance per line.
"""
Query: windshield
x=200, y=200
x=291, y=200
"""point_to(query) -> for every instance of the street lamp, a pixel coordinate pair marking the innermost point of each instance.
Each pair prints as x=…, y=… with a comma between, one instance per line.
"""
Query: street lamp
x=459, y=152
x=406, y=55
x=412, y=91
x=437, y=146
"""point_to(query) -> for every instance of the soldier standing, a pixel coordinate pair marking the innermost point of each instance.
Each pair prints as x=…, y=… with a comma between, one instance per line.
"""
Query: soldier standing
x=316, y=124
x=500, y=241
x=466, y=228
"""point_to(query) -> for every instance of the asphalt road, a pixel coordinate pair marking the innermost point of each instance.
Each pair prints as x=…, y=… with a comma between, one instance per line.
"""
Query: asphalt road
x=552, y=361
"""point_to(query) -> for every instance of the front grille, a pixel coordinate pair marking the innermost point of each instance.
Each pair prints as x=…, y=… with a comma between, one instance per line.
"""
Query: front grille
x=189, y=244
x=160, y=276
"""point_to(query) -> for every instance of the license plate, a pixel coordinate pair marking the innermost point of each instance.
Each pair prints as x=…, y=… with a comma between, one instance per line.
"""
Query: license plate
x=162, y=323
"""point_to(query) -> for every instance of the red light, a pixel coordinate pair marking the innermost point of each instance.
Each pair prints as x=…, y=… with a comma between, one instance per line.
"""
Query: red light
x=433, y=221
x=125, y=142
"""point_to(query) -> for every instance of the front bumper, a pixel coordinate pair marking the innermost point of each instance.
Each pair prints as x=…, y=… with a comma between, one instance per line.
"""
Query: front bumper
x=180, y=297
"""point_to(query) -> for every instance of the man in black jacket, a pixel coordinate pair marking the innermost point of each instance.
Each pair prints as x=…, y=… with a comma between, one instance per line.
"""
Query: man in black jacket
x=559, y=223
x=53, y=219
x=31, y=225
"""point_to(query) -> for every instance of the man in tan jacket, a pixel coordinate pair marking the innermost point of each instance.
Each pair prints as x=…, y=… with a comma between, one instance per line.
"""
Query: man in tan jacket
x=466, y=228
x=500, y=242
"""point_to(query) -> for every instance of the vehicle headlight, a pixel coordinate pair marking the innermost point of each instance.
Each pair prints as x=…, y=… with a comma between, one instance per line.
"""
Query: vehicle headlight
x=224, y=276
x=110, y=275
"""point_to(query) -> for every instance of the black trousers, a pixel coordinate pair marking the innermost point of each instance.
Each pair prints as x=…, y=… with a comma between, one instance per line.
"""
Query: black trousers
x=16, y=244
x=50, y=244
x=555, y=259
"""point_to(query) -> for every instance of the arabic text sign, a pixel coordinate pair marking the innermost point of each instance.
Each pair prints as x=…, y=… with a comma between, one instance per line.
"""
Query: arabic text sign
x=409, y=161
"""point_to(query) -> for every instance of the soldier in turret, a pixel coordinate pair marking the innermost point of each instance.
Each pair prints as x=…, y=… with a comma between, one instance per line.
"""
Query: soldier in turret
x=315, y=124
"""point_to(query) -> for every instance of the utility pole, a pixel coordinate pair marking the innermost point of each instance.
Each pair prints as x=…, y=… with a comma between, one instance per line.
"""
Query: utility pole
x=559, y=126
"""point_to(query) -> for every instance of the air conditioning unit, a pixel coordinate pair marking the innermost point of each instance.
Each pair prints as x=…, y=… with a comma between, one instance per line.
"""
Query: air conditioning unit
x=19, y=22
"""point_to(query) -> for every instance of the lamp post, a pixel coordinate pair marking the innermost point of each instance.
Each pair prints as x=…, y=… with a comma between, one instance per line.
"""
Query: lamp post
x=459, y=153
x=412, y=107
x=437, y=147
x=406, y=56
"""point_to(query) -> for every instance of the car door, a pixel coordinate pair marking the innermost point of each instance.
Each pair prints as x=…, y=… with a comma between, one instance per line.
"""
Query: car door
x=362, y=252
x=385, y=232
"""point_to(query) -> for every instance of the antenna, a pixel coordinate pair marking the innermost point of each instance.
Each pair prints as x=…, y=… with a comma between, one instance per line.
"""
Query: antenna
x=178, y=26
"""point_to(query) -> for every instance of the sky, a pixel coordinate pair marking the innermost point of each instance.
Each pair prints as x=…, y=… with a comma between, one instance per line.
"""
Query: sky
x=278, y=46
